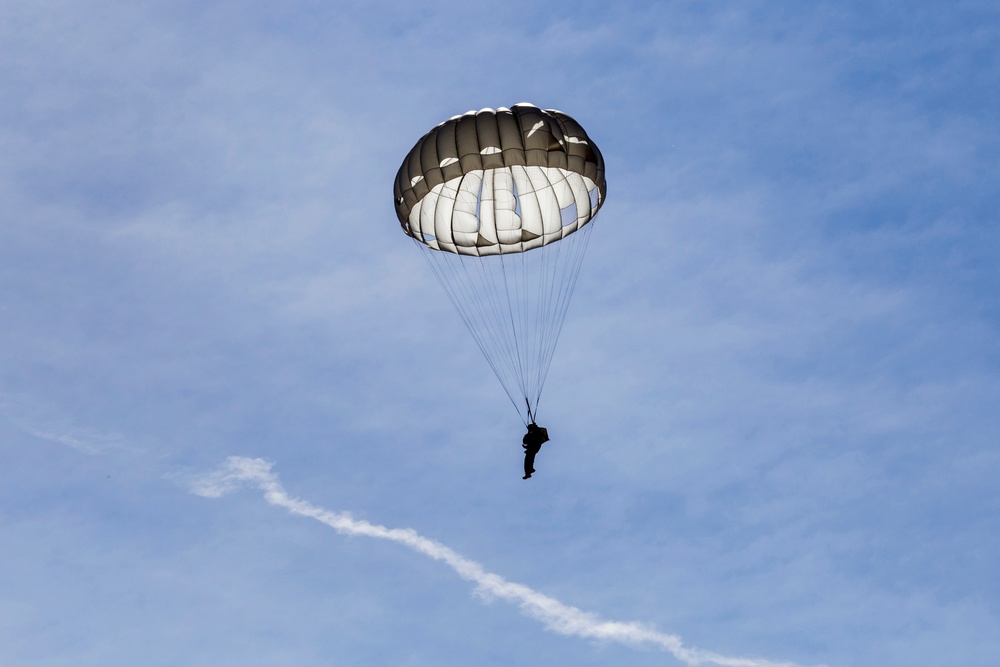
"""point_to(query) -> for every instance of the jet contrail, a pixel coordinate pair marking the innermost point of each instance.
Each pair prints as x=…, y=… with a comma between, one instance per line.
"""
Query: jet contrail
x=558, y=617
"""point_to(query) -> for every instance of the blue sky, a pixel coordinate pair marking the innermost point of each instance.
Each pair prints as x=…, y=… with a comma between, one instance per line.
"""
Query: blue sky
x=772, y=409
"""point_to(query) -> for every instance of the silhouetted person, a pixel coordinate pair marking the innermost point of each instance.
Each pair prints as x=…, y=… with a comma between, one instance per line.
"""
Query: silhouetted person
x=532, y=442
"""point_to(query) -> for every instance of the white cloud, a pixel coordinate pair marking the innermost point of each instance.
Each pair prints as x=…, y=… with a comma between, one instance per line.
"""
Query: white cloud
x=557, y=616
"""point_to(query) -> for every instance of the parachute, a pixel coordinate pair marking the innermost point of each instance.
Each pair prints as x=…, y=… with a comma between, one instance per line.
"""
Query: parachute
x=500, y=202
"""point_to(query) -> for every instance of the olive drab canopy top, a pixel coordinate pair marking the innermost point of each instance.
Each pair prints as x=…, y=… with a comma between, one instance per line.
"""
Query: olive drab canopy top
x=500, y=181
x=499, y=203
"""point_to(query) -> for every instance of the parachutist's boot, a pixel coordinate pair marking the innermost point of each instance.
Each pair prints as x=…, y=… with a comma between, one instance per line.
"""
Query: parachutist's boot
x=527, y=476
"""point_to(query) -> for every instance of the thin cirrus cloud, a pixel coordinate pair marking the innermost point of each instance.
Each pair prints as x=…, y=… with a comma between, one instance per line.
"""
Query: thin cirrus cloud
x=564, y=619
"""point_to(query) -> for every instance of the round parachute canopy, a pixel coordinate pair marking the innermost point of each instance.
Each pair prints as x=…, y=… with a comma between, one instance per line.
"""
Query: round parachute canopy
x=499, y=201
x=500, y=181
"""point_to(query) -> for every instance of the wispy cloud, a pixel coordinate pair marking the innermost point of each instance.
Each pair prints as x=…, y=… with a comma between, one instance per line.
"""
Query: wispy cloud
x=561, y=618
x=31, y=419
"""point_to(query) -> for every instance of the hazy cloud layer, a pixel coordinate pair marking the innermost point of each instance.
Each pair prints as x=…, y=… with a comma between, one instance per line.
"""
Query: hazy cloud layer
x=773, y=407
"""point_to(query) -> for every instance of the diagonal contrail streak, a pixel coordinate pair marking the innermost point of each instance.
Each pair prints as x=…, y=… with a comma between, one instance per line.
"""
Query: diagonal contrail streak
x=558, y=617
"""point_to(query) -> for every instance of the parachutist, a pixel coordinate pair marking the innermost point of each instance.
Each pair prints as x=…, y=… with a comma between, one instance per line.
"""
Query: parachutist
x=532, y=442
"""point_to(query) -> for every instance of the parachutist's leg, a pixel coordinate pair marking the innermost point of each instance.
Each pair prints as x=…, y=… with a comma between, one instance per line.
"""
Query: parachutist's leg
x=529, y=463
